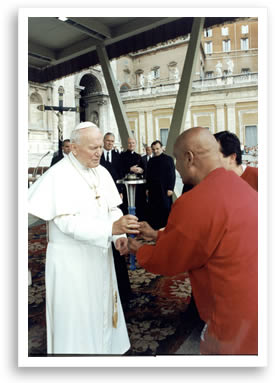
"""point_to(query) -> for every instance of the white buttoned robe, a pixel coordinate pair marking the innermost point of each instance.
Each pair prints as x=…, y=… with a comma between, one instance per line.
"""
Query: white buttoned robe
x=80, y=276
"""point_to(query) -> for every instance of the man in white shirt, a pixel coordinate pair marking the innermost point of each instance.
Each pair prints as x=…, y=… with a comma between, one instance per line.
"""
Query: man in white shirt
x=79, y=199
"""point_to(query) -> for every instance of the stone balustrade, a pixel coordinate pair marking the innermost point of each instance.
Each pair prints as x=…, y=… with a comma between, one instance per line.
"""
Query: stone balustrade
x=169, y=87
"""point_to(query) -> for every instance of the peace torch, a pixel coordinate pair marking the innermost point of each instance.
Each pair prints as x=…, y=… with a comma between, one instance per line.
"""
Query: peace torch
x=130, y=182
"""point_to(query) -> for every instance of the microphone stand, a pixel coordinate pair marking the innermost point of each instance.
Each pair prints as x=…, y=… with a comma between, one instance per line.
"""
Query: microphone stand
x=36, y=169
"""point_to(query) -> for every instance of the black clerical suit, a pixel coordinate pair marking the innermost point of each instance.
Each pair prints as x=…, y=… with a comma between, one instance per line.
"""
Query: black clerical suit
x=124, y=287
x=144, y=161
x=114, y=167
x=161, y=177
x=129, y=159
x=57, y=157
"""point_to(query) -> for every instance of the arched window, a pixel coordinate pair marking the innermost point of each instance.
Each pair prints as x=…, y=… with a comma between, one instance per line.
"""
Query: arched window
x=125, y=87
x=36, y=116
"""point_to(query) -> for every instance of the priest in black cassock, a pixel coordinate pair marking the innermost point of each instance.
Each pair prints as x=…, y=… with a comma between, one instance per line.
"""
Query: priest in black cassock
x=131, y=163
x=161, y=178
x=111, y=160
x=146, y=158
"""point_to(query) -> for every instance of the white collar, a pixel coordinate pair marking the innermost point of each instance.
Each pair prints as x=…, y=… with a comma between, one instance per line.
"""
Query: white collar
x=77, y=163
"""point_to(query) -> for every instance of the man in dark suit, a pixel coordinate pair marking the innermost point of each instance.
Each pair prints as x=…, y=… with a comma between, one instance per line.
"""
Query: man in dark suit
x=66, y=148
x=161, y=178
x=146, y=158
x=131, y=163
x=111, y=160
x=144, y=161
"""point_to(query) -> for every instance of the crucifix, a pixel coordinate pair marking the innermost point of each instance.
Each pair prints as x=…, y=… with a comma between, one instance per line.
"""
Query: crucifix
x=60, y=109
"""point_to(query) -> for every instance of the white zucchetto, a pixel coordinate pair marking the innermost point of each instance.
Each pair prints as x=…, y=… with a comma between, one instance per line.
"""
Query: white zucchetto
x=86, y=124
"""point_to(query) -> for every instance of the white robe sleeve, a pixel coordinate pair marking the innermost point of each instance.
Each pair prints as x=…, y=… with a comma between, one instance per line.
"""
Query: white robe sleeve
x=85, y=228
x=116, y=213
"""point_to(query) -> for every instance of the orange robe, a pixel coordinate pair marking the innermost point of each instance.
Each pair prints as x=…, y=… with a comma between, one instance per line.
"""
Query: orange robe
x=212, y=232
x=250, y=175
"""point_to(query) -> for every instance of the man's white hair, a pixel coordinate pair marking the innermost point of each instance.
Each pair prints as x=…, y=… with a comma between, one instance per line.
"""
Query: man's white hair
x=76, y=132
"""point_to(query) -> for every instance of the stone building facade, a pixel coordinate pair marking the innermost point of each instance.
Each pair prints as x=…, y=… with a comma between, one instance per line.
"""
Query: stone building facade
x=224, y=91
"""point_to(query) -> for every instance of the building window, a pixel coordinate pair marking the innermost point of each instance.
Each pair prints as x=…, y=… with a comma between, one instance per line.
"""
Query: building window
x=251, y=135
x=245, y=70
x=163, y=136
x=225, y=73
x=244, y=29
x=224, y=31
x=244, y=44
x=208, y=33
x=226, y=45
x=139, y=77
x=156, y=72
x=208, y=47
x=125, y=87
x=209, y=74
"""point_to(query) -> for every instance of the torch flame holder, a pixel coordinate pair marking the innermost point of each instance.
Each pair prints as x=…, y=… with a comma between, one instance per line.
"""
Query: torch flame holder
x=130, y=185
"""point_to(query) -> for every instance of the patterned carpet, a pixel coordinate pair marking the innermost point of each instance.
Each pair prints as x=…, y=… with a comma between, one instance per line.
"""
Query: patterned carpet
x=156, y=316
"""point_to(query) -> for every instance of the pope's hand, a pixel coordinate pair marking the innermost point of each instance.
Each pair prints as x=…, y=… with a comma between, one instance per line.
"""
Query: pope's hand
x=122, y=245
x=147, y=232
x=133, y=245
x=126, y=224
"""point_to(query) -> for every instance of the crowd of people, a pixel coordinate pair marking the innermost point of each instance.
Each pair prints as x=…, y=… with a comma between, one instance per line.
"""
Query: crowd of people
x=210, y=232
x=250, y=155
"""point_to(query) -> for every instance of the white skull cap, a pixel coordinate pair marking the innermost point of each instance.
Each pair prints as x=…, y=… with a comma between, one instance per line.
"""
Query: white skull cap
x=86, y=124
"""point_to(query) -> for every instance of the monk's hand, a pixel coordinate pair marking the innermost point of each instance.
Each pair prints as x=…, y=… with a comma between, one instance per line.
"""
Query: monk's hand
x=133, y=245
x=122, y=246
x=169, y=193
x=147, y=232
x=127, y=224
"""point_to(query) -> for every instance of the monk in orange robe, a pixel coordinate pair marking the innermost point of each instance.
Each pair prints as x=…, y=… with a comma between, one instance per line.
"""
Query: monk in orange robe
x=212, y=232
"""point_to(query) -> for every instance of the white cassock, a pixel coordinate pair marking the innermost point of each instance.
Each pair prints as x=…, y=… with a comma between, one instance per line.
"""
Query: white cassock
x=81, y=285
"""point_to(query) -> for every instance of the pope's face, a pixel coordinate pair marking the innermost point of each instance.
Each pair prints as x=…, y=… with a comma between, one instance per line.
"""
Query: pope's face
x=89, y=150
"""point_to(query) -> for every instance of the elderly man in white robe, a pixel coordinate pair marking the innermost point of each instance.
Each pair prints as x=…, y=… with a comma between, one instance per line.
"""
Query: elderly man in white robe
x=80, y=201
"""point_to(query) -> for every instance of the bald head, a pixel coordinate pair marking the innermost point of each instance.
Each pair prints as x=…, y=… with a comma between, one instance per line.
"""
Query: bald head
x=197, y=154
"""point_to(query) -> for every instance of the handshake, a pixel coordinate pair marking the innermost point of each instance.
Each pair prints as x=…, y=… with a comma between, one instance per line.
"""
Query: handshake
x=129, y=224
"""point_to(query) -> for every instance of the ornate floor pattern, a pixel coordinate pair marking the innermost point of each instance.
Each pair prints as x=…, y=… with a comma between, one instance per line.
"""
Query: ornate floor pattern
x=156, y=314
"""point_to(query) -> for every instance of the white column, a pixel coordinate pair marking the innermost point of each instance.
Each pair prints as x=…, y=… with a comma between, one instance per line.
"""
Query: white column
x=220, y=118
x=77, y=96
x=150, y=127
x=187, y=124
x=231, y=118
x=142, y=133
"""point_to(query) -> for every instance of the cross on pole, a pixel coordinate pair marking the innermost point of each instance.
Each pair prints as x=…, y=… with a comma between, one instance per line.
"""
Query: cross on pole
x=60, y=109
